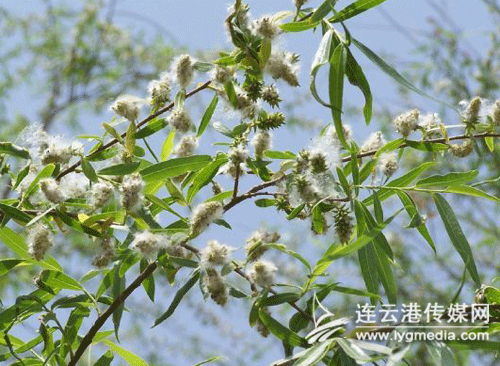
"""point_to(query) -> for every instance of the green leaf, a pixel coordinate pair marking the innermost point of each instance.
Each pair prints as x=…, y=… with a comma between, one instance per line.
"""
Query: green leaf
x=321, y=57
x=447, y=179
x=354, y=291
x=385, y=274
x=111, y=130
x=457, y=237
x=323, y=10
x=153, y=126
x=279, y=154
x=298, y=26
x=105, y=359
x=117, y=288
x=44, y=173
x=17, y=244
x=490, y=143
x=218, y=126
x=120, y=169
x=193, y=279
x=207, y=116
x=7, y=264
x=318, y=220
x=402, y=181
x=295, y=212
x=410, y=207
x=264, y=52
x=21, y=175
x=60, y=280
x=77, y=225
x=148, y=283
x=174, y=167
x=426, y=146
x=315, y=354
x=390, y=146
x=130, y=138
x=336, y=88
x=129, y=357
x=205, y=176
x=280, y=331
x=231, y=94
x=354, y=9
x=382, y=65
x=167, y=146
x=11, y=149
x=211, y=359
x=356, y=77
x=14, y=213
x=162, y=204
x=279, y=299
x=265, y=202
x=470, y=191
x=336, y=251
x=89, y=171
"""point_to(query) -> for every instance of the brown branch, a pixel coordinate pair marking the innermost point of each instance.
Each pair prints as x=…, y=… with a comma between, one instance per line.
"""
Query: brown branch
x=251, y=192
x=441, y=140
x=87, y=340
x=140, y=124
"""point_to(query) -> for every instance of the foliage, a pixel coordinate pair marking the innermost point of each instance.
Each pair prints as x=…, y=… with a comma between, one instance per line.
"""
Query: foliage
x=115, y=193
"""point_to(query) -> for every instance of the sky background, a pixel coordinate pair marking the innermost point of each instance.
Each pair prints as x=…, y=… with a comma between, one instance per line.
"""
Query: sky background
x=198, y=25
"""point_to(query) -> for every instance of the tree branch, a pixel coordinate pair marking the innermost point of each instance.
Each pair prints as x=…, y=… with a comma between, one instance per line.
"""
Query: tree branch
x=140, y=124
x=87, y=340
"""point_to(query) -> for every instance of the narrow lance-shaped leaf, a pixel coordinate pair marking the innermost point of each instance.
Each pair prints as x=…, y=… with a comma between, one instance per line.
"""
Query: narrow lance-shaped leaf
x=280, y=331
x=410, y=207
x=174, y=167
x=457, y=237
x=195, y=276
x=321, y=57
x=168, y=144
x=387, y=69
x=354, y=9
x=11, y=149
x=356, y=77
x=336, y=88
x=208, y=115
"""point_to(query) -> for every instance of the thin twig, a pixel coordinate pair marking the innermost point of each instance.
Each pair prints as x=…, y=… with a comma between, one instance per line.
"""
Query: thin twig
x=140, y=124
x=87, y=340
x=236, y=181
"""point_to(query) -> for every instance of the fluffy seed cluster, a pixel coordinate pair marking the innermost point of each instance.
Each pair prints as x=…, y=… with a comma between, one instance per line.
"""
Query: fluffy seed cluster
x=222, y=74
x=50, y=149
x=496, y=113
x=39, y=241
x=266, y=27
x=271, y=96
x=430, y=123
x=304, y=189
x=159, y=91
x=214, y=254
x=261, y=143
x=388, y=163
x=246, y=106
x=203, y=215
x=131, y=191
x=281, y=66
x=471, y=113
x=215, y=286
x=318, y=162
x=331, y=134
x=52, y=190
x=180, y=120
x=127, y=106
x=463, y=150
x=343, y=223
x=184, y=70
x=186, y=146
x=236, y=158
x=147, y=243
x=257, y=244
x=101, y=193
x=107, y=253
x=262, y=273
x=374, y=142
x=407, y=122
